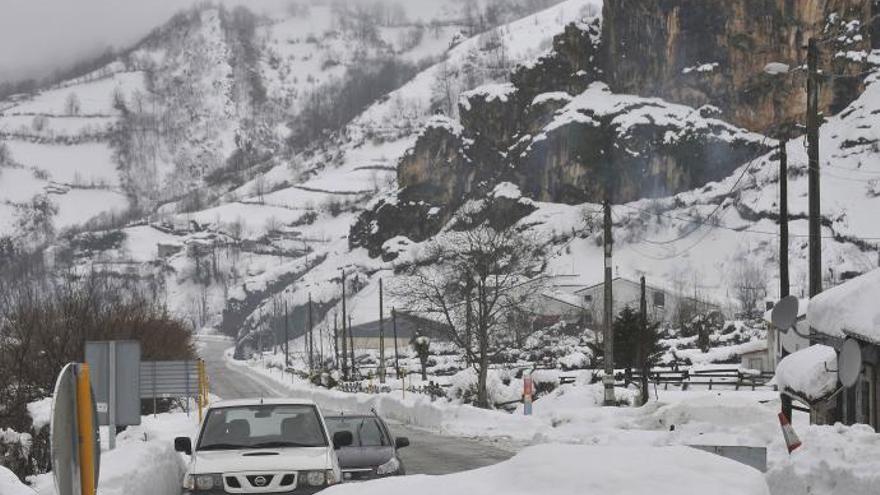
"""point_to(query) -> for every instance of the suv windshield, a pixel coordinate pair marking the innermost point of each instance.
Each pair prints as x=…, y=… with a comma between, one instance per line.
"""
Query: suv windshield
x=366, y=431
x=263, y=426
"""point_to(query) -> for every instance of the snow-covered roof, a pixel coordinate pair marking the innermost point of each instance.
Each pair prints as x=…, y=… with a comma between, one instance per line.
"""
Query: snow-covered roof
x=808, y=374
x=564, y=297
x=850, y=309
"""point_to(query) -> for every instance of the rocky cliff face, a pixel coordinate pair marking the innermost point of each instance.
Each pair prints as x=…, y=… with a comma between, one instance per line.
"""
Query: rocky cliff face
x=659, y=97
x=699, y=52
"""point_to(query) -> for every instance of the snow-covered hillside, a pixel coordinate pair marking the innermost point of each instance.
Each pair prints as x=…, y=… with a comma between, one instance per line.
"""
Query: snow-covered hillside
x=214, y=91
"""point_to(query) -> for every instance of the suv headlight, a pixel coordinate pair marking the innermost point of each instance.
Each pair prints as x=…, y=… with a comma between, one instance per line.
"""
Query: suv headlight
x=202, y=481
x=317, y=478
x=390, y=467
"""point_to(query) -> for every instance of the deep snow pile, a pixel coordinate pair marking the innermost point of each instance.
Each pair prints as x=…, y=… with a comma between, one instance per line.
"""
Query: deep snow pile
x=833, y=460
x=809, y=373
x=557, y=469
x=10, y=484
x=144, y=461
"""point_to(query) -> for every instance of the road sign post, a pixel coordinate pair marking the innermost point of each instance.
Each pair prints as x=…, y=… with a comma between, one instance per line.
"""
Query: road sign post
x=86, y=428
x=115, y=378
x=528, y=391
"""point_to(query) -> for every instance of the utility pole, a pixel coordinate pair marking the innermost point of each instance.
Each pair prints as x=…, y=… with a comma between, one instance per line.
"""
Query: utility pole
x=815, y=212
x=344, y=354
x=643, y=341
x=608, y=379
x=381, y=337
x=351, y=346
x=336, y=340
x=467, y=330
x=286, y=339
x=784, y=285
x=784, y=282
x=396, y=354
x=311, y=338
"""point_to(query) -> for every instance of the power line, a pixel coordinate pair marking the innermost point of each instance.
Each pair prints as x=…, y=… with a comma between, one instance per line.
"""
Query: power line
x=739, y=179
x=735, y=229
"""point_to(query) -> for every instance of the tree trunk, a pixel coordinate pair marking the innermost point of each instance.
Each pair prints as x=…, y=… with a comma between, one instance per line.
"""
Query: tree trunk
x=482, y=375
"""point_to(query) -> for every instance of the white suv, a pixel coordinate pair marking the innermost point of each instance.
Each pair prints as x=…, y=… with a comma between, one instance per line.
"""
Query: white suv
x=262, y=446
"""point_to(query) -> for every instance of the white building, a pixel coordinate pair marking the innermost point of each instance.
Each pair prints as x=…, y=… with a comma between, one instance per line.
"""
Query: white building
x=662, y=303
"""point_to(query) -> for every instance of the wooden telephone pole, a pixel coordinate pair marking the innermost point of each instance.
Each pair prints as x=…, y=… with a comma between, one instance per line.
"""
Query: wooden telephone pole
x=815, y=213
x=608, y=316
x=311, y=338
x=643, y=344
x=784, y=284
x=336, y=340
x=381, y=337
x=286, y=338
x=351, y=347
x=396, y=354
x=344, y=353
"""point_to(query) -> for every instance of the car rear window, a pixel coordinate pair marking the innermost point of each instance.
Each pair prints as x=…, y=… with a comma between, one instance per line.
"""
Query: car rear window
x=366, y=431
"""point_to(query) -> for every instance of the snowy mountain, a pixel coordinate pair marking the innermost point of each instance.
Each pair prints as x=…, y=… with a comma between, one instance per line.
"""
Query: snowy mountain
x=240, y=163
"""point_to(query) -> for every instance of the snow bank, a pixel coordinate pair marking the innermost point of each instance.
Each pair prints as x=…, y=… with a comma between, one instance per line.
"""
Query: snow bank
x=558, y=469
x=144, y=461
x=849, y=308
x=10, y=484
x=833, y=460
x=806, y=372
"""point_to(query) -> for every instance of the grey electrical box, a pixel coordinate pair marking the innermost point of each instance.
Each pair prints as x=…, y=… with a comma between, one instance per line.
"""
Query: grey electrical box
x=114, y=368
x=755, y=457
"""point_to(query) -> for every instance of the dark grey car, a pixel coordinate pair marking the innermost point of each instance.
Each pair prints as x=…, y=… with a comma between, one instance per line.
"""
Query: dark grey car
x=373, y=451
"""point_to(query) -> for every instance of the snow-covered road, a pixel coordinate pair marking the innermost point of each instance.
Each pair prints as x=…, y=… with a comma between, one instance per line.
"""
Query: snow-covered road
x=428, y=453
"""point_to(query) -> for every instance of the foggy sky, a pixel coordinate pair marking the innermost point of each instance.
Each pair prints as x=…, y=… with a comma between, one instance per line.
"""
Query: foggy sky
x=40, y=36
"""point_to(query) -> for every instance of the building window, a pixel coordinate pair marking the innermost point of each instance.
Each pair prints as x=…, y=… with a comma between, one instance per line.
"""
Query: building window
x=588, y=298
x=659, y=299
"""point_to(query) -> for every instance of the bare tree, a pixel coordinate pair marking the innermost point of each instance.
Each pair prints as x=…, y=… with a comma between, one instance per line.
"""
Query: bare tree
x=749, y=285
x=260, y=188
x=71, y=104
x=476, y=279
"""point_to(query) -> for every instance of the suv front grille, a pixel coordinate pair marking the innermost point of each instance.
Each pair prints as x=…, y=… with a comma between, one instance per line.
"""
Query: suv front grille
x=260, y=480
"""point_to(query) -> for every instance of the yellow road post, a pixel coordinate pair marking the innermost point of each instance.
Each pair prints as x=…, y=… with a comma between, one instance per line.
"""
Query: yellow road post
x=85, y=428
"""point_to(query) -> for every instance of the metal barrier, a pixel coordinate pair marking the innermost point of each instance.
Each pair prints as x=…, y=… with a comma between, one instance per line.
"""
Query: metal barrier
x=165, y=379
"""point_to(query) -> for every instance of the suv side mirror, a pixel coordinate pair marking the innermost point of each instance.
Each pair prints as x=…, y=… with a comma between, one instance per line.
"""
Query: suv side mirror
x=183, y=444
x=401, y=442
x=342, y=439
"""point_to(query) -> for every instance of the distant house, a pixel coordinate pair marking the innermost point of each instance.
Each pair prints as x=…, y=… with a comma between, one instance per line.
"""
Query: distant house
x=662, y=303
x=366, y=335
x=758, y=359
x=166, y=250
x=554, y=305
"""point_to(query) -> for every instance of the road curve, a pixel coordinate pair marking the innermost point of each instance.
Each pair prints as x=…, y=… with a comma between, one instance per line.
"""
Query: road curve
x=428, y=453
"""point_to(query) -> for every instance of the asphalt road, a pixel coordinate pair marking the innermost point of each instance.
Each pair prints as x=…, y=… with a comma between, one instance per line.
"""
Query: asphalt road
x=428, y=453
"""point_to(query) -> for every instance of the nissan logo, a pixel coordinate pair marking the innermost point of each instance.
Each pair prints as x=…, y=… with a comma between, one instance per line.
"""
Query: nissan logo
x=260, y=481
